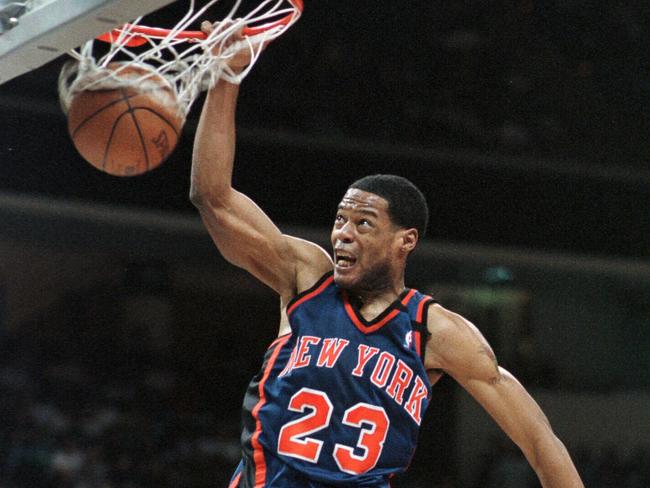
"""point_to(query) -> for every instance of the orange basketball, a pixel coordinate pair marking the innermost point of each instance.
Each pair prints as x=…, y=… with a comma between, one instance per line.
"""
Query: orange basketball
x=127, y=124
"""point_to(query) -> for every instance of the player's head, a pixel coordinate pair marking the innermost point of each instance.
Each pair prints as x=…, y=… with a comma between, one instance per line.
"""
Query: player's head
x=407, y=206
x=378, y=224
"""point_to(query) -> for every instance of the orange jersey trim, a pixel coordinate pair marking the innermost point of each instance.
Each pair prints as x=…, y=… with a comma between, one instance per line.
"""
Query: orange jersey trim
x=418, y=342
x=258, y=451
x=235, y=482
x=420, y=312
x=311, y=295
x=367, y=329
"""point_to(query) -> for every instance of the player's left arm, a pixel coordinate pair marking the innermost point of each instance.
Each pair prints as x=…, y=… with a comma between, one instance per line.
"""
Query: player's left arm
x=458, y=348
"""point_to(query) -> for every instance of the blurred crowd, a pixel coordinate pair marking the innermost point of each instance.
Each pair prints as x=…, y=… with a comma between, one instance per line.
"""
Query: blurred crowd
x=70, y=425
x=100, y=392
x=506, y=467
x=539, y=77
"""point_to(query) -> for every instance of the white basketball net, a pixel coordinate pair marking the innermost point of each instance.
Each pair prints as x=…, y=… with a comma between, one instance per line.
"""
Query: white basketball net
x=189, y=66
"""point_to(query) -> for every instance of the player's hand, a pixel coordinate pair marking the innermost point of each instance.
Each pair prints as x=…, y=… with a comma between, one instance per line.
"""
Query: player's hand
x=238, y=60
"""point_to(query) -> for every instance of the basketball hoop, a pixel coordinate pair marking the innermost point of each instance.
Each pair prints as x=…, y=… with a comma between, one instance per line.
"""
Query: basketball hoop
x=188, y=59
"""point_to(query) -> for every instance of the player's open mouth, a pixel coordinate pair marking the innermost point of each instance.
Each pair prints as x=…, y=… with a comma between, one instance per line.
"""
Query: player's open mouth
x=344, y=260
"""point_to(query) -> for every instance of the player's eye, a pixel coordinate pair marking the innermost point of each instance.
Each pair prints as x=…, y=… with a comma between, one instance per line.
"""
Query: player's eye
x=365, y=223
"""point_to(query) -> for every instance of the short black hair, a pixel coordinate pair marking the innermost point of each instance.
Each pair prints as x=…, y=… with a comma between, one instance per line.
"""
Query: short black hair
x=407, y=206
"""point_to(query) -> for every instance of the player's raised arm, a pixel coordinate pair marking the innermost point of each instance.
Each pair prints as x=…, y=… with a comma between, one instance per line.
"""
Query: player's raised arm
x=243, y=233
x=458, y=348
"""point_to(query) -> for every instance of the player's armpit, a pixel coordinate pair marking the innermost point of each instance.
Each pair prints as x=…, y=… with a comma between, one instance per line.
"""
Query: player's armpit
x=456, y=346
x=312, y=263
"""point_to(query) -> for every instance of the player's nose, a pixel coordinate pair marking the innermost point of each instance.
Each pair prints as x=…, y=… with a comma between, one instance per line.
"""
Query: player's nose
x=345, y=233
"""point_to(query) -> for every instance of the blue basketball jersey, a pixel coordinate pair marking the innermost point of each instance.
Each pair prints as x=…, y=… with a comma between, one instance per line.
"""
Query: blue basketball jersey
x=338, y=401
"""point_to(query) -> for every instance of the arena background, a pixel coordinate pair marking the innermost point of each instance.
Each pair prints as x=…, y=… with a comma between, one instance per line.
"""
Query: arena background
x=127, y=341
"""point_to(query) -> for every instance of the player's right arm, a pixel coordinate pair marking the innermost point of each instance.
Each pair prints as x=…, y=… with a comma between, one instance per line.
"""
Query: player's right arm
x=242, y=232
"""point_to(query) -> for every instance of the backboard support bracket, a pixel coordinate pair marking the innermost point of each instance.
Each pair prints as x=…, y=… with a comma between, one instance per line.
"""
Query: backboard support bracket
x=54, y=28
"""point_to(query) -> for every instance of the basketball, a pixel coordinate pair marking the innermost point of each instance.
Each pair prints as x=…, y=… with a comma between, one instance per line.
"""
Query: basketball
x=126, y=124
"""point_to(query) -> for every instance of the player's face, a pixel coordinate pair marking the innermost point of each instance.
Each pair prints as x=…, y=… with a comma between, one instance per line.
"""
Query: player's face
x=364, y=241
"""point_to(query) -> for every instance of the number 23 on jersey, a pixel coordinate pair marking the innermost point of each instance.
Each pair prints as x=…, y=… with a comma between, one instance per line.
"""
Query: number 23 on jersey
x=372, y=422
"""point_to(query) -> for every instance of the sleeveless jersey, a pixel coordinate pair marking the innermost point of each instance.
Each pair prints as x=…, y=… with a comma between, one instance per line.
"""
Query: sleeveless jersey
x=339, y=400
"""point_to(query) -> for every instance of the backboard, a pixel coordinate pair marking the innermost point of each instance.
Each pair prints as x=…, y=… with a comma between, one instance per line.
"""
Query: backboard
x=34, y=32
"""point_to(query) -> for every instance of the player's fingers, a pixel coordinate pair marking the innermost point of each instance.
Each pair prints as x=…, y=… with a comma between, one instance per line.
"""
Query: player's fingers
x=207, y=27
x=239, y=35
x=235, y=38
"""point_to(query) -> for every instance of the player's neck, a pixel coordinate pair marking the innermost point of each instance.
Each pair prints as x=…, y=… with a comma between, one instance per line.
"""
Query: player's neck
x=378, y=297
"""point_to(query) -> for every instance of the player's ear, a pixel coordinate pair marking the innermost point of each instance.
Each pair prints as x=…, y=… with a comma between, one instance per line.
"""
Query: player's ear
x=409, y=239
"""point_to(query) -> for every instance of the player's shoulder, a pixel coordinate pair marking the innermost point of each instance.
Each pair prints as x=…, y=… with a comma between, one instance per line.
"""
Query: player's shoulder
x=442, y=321
x=311, y=261
x=451, y=334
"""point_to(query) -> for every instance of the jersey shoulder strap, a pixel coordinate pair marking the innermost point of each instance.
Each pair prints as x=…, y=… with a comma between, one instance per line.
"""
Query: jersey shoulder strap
x=317, y=288
x=419, y=313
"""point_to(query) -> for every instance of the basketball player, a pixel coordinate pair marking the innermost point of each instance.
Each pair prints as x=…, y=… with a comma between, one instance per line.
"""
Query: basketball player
x=343, y=389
